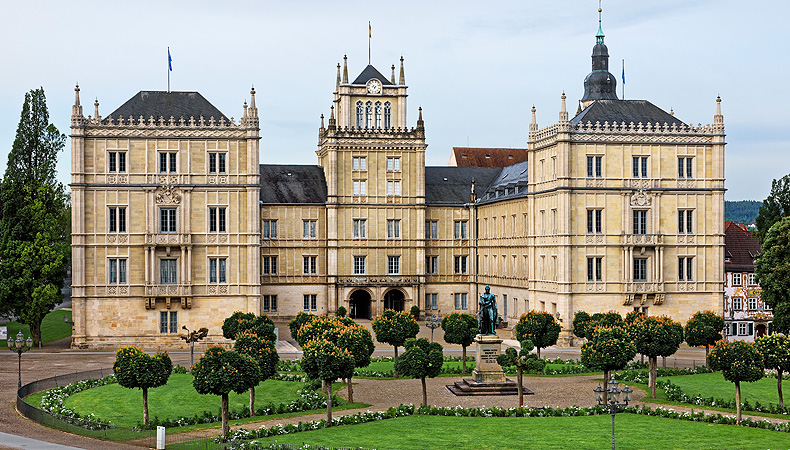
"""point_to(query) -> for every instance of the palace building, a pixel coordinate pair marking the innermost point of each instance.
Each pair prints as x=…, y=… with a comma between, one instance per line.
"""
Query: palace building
x=176, y=223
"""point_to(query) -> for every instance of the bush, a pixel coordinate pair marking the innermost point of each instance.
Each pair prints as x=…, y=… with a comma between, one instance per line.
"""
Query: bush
x=341, y=311
x=415, y=311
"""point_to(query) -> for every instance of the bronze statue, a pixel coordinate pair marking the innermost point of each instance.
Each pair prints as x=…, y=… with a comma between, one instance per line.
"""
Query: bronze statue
x=487, y=316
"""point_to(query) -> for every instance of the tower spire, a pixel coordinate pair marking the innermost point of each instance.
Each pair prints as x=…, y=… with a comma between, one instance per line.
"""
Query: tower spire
x=345, y=69
x=600, y=84
x=402, y=79
x=76, y=110
x=337, y=84
x=563, y=109
x=599, y=37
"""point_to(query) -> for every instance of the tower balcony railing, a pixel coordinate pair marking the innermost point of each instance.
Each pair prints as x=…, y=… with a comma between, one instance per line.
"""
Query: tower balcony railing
x=168, y=290
x=642, y=239
x=168, y=238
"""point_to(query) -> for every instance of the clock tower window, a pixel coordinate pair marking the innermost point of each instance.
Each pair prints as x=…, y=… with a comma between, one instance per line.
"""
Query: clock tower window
x=387, y=115
x=369, y=114
x=360, y=114
x=378, y=115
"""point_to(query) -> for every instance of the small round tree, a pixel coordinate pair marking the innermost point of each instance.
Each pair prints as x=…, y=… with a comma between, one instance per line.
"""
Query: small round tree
x=739, y=362
x=704, y=328
x=415, y=312
x=421, y=359
x=136, y=369
x=359, y=342
x=632, y=316
x=318, y=328
x=607, y=319
x=776, y=355
x=341, y=311
x=460, y=329
x=539, y=327
x=239, y=322
x=221, y=371
x=264, y=354
x=297, y=322
x=655, y=336
x=580, y=321
x=394, y=328
x=325, y=361
x=523, y=360
x=609, y=349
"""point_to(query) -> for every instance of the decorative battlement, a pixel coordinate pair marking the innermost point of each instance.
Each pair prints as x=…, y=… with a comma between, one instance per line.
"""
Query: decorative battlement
x=623, y=128
x=151, y=122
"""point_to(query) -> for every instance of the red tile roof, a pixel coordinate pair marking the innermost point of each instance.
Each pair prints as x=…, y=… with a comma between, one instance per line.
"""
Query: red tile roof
x=487, y=157
x=740, y=248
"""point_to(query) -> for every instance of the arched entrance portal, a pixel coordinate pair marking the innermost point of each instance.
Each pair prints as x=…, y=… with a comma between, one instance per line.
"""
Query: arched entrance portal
x=394, y=299
x=359, y=304
x=760, y=330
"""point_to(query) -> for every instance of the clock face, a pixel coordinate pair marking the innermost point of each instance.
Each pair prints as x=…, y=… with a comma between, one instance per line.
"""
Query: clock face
x=374, y=86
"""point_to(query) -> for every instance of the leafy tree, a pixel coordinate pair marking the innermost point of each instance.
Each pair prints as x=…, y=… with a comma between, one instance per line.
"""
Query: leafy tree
x=221, y=371
x=523, y=360
x=35, y=226
x=321, y=327
x=325, y=361
x=394, y=328
x=264, y=354
x=738, y=361
x=191, y=337
x=136, y=369
x=654, y=337
x=632, y=316
x=460, y=329
x=539, y=327
x=609, y=348
x=359, y=342
x=239, y=322
x=421, y=359
x=775, y=206
x=775, y=350
x=584, y=324
x=415, y=311
x=580, y=321
x=341, y=311
x=773, y=273
x=704, y=328
x=297, y=322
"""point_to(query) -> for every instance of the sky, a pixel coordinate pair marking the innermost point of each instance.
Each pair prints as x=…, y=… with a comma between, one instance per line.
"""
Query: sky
x=476, y=68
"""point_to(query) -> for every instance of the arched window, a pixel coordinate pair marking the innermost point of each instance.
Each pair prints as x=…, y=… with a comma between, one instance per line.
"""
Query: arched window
x=369, y=114
x=378, y=115
x=387, y=115
x=359, y=114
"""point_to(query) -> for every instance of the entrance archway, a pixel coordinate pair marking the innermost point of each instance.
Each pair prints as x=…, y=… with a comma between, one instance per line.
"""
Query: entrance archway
x=359, y=304
x=394, y=299
x=760, y=329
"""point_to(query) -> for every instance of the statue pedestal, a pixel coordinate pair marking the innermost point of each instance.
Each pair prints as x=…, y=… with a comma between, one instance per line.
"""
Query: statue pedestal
x=486, y=368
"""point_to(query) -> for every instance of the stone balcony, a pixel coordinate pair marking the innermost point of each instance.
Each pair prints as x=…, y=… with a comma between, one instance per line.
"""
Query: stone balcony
x=641, y=240
x=168, y=290
x=168, y=239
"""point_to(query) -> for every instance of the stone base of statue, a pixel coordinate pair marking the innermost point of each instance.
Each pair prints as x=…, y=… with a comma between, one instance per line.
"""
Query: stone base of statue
x=487, y=377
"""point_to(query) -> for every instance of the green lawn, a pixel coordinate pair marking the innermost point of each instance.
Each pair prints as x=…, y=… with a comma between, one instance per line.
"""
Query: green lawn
x=53, y=327
x=714, y=385
x=592, y=432
x=176, y=399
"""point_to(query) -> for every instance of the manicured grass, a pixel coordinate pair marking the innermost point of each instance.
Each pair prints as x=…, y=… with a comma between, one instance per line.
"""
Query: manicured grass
x=176, y=399
x=53, y=327
x=714, y=385
x=591, y=432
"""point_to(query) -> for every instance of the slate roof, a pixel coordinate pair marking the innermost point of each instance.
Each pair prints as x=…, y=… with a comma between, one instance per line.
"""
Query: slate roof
x=740, y=246
x=371, y=72
x=447, y=185
x=511, y=182
x=283, y=184
x=166, y=104
x=627, y=111
x=488, y=157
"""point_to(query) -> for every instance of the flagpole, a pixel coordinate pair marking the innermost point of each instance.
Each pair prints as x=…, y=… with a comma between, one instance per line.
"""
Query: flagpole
x=168, y=70
x=370, y=35
x=623, y=79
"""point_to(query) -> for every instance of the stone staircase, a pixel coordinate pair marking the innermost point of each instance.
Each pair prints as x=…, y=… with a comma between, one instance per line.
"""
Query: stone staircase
x=468, y=386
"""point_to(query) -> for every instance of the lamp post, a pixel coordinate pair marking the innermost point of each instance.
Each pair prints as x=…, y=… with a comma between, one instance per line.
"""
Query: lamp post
x=433, y=322
x=612, y=399
x=19, y=346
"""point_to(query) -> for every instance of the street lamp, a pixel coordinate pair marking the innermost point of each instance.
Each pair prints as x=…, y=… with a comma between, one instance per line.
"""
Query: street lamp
x=612, y=399
x=19, y=346
x=433, y=322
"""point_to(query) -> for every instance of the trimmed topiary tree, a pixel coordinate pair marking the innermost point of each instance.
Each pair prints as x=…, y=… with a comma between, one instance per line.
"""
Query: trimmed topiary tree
x=394, y=328
x=298, y=321
x=539, y=327
x=609, y=349
x=359, y=342
x=239, y=322
x=523, y=360
x=775, y=350
x=739, y=362
x=136, y=369
x=421, y=359
x=325, y=361
x=655, y=336
x=415, y=312
x=341, y=311
x=460, y=329
x=321, y=327
x=264, y=354
x=580, y=321
x=704, y=328
x=221, y=371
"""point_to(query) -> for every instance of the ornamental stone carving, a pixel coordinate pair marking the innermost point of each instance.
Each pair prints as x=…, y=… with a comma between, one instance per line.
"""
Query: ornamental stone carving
x=167, y=195
x=640, y=198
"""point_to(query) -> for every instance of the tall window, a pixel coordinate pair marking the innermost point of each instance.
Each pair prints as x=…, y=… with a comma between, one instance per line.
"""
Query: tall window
x=752, y=302
x=360, y=187
x=594, y=166
x=168, y=269
x=736, y=279
x=167, y=162
x=737, y=304
x=640, y=221
x=685, y=268
x=431, y=301
x=216, y=162
x=460, y=265
x=217, y=270
x=309, y=265
x=270, y=265
x=393, y=228
x=360, y=115
x=460, y=229
x=393, y=188
x=393, y=164
x=594, y=220
x=310, y=302
x=431, y=229
x=639, y=166
x=168, y=323
x=117, y=273
x=685, y=166
x=387, y=115
x=116, y=216
x=368, y=114
x=358, y=163
x=461, y=301
x=167, y=220
x=360, y=229
x=217, y=219
x=117, y=162
x=269, y=303
x=640, y=269
x=685, y=220
x=595, y=269
x=378, y=114
x=752, y=279
x=359, y=265
x=270, y=229
x=393, y=265
x=431, y=265
x=309, y=229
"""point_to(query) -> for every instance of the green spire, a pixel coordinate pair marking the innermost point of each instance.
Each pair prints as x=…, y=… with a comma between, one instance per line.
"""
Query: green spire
x=599, y=36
